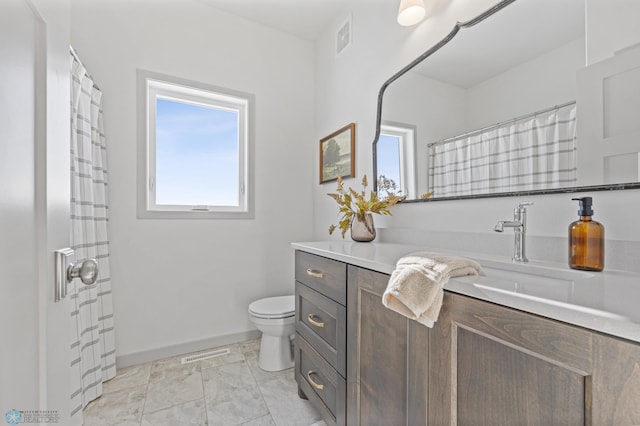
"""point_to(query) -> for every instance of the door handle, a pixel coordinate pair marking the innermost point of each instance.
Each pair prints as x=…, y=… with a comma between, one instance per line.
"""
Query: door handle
x=87, y=271
x=66, y=271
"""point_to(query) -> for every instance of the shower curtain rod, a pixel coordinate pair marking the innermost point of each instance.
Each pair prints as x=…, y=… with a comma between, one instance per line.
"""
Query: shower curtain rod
x=77, y=58
x=513, y=120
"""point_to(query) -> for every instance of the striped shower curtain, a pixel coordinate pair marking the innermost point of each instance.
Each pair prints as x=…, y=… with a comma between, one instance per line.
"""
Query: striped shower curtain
x=535, y=152
x=92, y=335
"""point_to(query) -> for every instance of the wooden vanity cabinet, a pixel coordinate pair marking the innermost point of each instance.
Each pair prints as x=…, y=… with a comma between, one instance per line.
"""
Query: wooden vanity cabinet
x=387, y=357
x=481, y=364
x=492, y=365
x=497, y=366
x=320, y=343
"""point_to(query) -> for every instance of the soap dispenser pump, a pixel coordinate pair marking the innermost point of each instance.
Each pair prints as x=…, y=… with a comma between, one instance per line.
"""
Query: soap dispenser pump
x=586, y=239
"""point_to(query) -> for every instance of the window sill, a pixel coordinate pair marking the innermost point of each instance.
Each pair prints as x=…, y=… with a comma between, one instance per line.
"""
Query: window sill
x=157, y=214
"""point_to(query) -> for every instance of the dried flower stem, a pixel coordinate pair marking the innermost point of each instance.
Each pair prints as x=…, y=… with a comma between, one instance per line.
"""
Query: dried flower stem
x=355, y=204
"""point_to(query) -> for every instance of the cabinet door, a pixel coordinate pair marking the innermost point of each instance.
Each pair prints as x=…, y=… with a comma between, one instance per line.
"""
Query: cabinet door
x=616, y=381
x=379, y=357
x=320, y=383
x=322, y=322
x=492, y=365
x=326, y=276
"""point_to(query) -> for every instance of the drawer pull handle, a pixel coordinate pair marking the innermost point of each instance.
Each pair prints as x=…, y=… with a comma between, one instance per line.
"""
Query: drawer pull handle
x=314, y=274
x=314, y=384
x=312, y=319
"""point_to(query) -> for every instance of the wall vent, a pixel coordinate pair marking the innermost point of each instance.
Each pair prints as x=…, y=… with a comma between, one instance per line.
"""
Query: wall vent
x=344, y=36
x=205, y=355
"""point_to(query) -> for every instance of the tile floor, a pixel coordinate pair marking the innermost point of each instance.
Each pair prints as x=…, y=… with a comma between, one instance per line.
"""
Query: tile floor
x=228, y=390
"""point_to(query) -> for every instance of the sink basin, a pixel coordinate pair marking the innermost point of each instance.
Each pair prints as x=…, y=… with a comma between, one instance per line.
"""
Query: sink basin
x=553, y=302
x=541, y=284
x=531, y=279
x=536, y=269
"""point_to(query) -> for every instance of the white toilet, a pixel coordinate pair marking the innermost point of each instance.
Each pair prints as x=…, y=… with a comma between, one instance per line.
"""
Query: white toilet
x=275, y=318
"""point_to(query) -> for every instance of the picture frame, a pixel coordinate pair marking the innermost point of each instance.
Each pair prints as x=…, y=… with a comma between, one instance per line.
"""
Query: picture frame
x=337, y=154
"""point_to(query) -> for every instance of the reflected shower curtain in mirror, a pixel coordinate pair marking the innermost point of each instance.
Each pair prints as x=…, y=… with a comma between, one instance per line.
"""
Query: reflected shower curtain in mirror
x=92, y=335
x=529, y=153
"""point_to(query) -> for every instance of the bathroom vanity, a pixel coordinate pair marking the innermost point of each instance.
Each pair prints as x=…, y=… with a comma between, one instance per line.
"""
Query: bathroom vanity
x=321, y=335
x=527, y=344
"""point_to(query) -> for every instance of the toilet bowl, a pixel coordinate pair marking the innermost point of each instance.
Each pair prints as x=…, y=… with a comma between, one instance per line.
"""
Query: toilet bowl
x=275, y=318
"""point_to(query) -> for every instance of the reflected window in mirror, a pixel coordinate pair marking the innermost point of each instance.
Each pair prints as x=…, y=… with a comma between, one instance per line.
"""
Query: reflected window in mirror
x=395, y=149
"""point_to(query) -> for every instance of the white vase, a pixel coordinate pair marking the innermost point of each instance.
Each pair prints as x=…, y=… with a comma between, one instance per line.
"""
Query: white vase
x=363, y=231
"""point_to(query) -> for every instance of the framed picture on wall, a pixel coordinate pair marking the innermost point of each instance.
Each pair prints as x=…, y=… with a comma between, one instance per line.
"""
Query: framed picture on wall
x=337, y=154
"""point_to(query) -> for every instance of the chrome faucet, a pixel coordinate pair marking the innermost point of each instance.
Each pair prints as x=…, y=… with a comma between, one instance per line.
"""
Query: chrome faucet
x=519, y=225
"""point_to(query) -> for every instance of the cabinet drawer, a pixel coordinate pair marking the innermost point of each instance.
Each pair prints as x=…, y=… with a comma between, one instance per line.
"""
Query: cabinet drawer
x=322, y=385
x=322, y=322
x=327, y=276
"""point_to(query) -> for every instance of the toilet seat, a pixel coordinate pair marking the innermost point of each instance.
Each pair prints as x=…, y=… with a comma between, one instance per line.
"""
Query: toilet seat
x=274, y=307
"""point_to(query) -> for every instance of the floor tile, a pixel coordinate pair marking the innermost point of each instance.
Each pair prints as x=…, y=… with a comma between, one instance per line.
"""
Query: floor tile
x=128, y=377
x=235, y=355
x=287, y=409
x=188, y=414
x=226, y=390
x=172, y=386
x=232, y=395
x=173, y=364
x=251, y=350
x=250, y=346
x=123, y=407
x=261, y=421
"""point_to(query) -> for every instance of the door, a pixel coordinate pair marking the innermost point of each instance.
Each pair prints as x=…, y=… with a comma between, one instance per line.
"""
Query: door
x=493, y=365
x=386, y=357
x=34, y=207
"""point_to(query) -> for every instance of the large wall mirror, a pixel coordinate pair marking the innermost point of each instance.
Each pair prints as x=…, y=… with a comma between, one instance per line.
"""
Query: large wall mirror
x=494, y=109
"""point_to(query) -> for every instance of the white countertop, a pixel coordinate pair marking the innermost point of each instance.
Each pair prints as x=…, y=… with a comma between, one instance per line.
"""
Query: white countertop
x=607, y=302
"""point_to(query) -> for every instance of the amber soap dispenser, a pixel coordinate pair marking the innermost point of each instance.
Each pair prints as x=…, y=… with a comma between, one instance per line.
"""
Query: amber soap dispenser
x=586, y=239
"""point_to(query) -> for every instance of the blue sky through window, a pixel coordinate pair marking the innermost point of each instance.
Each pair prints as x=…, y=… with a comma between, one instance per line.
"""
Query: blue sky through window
x=388, y=147
x=196, y=154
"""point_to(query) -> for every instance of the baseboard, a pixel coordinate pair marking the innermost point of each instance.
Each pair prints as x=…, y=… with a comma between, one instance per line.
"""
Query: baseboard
x=184, y=348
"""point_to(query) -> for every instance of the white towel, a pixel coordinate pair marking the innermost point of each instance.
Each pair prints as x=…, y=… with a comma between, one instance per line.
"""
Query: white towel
x=415, y=286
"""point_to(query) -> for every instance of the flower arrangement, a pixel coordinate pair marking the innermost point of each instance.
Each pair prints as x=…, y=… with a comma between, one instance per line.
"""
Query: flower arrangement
x=355, y=205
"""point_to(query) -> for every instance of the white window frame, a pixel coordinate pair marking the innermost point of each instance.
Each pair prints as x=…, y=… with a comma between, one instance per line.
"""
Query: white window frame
x=152, y=86
x=406, y=135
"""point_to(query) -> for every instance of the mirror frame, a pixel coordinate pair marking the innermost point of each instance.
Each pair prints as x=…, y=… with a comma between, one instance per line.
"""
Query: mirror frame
x=457, y=27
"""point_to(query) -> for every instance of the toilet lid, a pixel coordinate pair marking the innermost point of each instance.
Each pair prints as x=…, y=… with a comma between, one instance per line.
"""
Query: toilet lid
x=274, y=307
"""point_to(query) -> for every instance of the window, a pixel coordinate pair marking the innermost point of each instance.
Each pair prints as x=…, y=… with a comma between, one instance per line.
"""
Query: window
x=195, y=145
x=395, y=156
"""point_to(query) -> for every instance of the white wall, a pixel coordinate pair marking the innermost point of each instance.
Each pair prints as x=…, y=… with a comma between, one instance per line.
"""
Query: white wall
x=346, y=91
x=611, y=26
x=551, y=80
x=178, y=281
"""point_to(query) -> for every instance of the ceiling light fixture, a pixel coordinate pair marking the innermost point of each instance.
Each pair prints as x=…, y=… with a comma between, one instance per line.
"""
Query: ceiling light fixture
x=411, y=12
